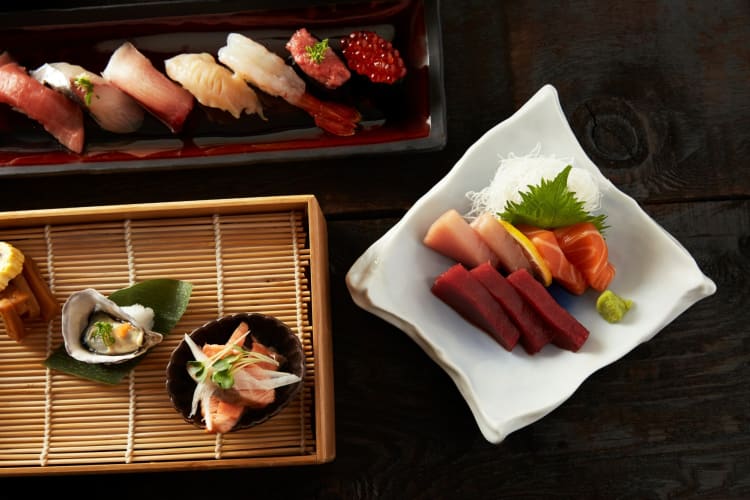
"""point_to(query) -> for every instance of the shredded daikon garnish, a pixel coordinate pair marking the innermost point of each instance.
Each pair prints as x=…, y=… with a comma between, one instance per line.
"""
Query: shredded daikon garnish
x=515, y=173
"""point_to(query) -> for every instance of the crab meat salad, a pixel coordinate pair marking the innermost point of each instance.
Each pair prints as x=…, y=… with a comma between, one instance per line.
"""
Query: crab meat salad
x=536, y=225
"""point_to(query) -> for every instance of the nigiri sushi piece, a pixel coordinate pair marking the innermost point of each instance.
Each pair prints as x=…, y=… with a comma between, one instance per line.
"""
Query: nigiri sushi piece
x=268, y=72
x=59, y=116
x=212, y=84
x=109, y=106
x=317, y=59
x=133, y=73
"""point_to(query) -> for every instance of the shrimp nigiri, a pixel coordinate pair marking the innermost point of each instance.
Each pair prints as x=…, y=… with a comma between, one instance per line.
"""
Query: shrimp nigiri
x=268, y=71
x=212, y=84
x=109, y=106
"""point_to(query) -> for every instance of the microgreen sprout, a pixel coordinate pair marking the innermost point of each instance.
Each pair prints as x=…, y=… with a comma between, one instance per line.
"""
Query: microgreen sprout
x=317, y=51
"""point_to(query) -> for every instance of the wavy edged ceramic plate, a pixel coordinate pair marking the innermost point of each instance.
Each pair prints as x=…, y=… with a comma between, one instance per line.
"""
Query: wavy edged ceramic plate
x=509, y=390
x=406, y=116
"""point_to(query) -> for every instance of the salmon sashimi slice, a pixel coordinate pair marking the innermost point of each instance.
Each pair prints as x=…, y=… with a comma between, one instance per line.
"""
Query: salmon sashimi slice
x=59, y=116
x=585, y=248
x=496, y=237
x=453, y=237
x=561, y=268
x=221, y=416
x=461, y=291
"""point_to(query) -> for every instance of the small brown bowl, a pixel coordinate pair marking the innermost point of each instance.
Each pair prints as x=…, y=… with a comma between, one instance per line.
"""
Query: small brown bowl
x=270, y=332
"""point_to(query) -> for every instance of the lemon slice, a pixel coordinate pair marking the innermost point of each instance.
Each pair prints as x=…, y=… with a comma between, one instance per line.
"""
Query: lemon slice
x=11, y=263
x=538, y=264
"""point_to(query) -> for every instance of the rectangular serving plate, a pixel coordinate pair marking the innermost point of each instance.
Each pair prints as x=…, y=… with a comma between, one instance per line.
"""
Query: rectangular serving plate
x=407, y=116
x=273, y=259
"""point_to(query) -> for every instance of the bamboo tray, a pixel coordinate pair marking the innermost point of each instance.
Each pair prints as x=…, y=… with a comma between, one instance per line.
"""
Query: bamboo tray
x=241, y=255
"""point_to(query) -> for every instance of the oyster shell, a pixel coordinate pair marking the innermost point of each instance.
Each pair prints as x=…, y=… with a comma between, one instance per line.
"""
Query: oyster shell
x=97, y=330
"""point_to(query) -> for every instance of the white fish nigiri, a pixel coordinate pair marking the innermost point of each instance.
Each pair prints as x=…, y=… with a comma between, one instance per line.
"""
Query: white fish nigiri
x=133, y=73
x=261, y=67
x=212, y=84
x=109, y=106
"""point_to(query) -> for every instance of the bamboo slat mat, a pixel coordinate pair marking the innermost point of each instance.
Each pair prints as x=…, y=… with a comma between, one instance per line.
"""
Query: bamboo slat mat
x=259, y=261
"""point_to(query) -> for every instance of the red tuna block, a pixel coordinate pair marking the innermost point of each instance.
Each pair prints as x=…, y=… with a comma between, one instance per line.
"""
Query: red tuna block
x=467, y=296
x=568, y=332
x=535, y=333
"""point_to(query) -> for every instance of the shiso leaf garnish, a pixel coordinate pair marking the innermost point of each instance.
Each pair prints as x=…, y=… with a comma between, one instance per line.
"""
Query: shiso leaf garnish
x=549, y=205
x=167, y=297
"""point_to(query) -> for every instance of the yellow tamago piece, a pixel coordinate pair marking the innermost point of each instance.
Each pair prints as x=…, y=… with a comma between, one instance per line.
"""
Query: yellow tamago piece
x=11, y=263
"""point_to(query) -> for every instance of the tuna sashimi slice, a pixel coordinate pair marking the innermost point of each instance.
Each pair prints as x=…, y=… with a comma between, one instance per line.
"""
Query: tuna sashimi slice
x=563, y=271
x=467, y=296
x=134, y=74
x=585, y=248
x=535, y=333
x=569, y=333
x=453, y=237
x=509, y=252
x=59, y=116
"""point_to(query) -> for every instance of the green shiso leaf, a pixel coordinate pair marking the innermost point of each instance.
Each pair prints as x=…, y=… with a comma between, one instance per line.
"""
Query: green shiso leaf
x=550, y=204
x=167, y=297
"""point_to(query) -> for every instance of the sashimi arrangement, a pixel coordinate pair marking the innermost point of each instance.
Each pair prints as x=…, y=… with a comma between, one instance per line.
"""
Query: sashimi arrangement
x=535, y=225
x=58, y=95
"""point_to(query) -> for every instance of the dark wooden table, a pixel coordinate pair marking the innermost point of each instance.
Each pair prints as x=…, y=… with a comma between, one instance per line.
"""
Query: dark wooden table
x=658, y=94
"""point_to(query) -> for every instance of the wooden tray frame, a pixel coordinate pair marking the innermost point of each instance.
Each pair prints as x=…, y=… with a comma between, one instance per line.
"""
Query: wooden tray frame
x=319, y=383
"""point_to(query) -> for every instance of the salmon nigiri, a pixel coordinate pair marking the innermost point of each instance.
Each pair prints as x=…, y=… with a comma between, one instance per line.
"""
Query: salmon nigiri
x=562, y=270
x=585, y=248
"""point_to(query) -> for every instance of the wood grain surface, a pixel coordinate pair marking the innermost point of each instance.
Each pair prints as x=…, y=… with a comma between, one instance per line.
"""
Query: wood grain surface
x=657, y=93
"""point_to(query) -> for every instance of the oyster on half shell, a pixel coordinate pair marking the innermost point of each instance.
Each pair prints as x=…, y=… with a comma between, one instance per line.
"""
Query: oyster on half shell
x=97, y=330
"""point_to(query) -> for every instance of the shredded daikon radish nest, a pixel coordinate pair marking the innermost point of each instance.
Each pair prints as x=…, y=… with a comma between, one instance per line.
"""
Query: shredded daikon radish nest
x=516, y=173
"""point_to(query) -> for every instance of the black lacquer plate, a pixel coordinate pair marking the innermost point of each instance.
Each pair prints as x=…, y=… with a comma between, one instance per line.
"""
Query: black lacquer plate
x=406, y=116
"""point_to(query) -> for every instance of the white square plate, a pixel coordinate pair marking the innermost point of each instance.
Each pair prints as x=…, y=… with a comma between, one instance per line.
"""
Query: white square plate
x=509, y=390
